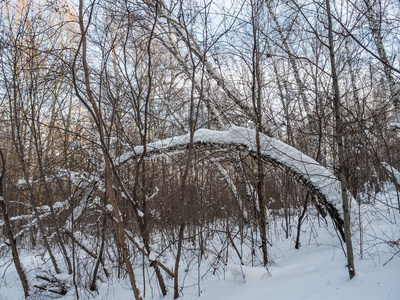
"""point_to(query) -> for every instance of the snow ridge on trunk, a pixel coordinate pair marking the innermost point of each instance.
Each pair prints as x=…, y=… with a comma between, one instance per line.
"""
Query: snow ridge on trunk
x=309, y=170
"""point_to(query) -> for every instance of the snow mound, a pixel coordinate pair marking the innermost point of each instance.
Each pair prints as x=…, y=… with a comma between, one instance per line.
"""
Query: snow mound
x=64, y=278
x=249, y=273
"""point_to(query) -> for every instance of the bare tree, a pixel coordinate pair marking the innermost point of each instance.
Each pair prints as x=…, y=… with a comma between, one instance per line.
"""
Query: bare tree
x=339, y=141
x=91, y=104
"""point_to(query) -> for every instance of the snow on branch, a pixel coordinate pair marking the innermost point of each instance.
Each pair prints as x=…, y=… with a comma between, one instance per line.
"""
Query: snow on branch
x=393, y=172
x=310, y=172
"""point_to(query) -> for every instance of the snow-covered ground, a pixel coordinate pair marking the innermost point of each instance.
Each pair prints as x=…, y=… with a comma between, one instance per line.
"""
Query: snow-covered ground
x=316, y=271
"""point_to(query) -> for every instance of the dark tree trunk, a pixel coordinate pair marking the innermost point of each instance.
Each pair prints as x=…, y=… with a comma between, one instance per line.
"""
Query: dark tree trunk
x=9, y=231
x=339, y=142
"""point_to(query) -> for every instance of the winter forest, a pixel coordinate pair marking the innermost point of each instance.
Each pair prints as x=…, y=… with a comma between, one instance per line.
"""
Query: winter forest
x=199, y=149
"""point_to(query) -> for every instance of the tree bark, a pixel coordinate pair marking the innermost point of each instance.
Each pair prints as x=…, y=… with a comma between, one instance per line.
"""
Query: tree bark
x=256, y=94
x=9, y=231
x=339, y=142
x=177, y=260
